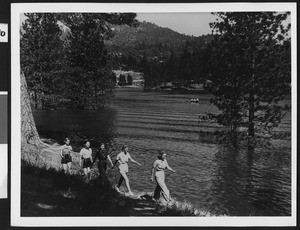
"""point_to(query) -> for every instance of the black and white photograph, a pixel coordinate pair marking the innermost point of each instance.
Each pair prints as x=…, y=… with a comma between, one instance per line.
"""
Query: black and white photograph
x=179, y=114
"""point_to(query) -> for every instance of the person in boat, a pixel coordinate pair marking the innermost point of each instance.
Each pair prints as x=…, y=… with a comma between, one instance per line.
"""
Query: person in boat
x=194, y=100
x=102, y=156
x=161, y=192
x=66, y=158
x=86, y=159
x=122, y=159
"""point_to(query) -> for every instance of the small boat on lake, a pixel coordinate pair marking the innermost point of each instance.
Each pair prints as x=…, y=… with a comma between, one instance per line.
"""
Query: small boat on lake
x=194, y=100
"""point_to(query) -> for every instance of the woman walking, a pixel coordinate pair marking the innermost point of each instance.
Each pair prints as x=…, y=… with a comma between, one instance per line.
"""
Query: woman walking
x=66, y=158
x=102, y=156
x=161, y=192
x=122, y=159
x=86, y=157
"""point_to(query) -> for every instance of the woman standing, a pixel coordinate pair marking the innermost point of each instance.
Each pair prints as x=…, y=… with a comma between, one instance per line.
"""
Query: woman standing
x=161, y=191
x=102, y=156
x=66, y=158
x=86, y=156
x=122, y=159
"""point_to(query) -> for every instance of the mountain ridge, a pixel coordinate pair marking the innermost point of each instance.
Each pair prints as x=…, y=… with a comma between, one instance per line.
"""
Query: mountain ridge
x=151, y=41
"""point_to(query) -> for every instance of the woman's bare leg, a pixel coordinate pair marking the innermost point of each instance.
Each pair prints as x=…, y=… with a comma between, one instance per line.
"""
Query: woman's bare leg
x=85, y=171
x=65, y=167
x=69, y=167
x=126, y=181
x=120, y=181
x=89, y=173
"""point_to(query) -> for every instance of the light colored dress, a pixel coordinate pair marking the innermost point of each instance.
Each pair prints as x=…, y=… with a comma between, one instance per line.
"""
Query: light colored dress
x=161, y=192
x=123, y=158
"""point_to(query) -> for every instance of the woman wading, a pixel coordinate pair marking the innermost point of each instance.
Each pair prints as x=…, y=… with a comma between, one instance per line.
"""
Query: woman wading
x=161, y=192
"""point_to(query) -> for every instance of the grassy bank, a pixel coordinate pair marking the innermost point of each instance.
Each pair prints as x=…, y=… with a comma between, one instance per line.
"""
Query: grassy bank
x=47, y=191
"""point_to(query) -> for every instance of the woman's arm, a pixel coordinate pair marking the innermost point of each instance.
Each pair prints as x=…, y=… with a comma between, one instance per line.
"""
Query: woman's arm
x=153, y=170
x=109, y=159
x=168, y=167
x=114, y=164
x=116, y=161
x=80, y=156
x=134, y=160
x=152, y=173
x=91, y=157
x=60, y=153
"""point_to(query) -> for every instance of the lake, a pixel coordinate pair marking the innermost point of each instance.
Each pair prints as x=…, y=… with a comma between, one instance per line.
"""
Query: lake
x=212, y=177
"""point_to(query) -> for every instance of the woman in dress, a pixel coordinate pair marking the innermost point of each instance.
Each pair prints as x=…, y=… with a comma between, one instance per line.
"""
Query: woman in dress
x=161, y=192
x=122, y=159
x=102, y=156
x=66, y=158
x=86, y=157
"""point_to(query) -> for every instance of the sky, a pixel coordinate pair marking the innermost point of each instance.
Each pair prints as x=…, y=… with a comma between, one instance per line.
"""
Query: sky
x=195, y=24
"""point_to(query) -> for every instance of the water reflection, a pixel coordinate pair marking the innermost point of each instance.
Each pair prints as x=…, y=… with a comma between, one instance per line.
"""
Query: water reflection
x=251, y=182
x=96, y=125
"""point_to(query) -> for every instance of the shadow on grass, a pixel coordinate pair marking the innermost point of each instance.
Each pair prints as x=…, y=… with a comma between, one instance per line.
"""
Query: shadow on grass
x=48, y=192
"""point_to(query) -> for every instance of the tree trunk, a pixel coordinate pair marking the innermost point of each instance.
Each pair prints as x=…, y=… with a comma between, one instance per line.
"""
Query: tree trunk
x=251, y=122
x=145, y=82
x=251, y=115
x=35, y=100
x=29, y=134
x=251, y=104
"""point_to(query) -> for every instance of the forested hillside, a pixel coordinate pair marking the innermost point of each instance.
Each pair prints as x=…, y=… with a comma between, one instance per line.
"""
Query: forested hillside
x=157, y=52
x=146, y=39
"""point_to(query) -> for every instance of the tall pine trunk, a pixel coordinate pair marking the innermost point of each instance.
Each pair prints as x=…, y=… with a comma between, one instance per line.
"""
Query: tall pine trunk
x=251, y=130
x=251, y=103
x=29, y=134
x=251, y=115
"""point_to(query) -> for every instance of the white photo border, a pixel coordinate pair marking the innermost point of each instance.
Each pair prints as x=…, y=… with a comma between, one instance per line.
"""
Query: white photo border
x=19, y=8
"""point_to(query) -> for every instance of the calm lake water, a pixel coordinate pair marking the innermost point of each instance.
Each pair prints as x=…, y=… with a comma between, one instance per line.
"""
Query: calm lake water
x=212, y=177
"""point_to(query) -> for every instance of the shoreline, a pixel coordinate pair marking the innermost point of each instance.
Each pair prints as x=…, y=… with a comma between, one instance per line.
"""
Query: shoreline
x=44, y=183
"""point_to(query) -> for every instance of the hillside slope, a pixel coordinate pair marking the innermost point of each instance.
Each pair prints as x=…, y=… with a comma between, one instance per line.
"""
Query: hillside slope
x=148, y=39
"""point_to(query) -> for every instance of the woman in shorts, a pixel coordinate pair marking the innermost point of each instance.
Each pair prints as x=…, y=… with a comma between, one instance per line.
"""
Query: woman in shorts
x=86, y=159
x=66, y=158
x=122, y=159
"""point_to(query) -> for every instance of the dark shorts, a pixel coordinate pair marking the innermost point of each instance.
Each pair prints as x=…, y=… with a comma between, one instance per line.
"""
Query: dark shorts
x=66, y=159
x=87, y=163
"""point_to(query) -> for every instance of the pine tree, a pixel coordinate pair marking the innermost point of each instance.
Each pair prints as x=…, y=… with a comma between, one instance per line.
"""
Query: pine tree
x=41, y=47
x=90, y=84
x=42, y=56
x=250, y=69
x=122, y=80
x=129, y=80
x=171, y=68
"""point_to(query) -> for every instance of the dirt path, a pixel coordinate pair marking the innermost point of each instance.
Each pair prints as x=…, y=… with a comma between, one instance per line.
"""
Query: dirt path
x=144, y=206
